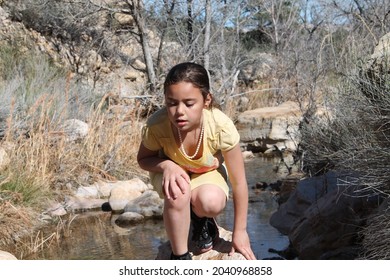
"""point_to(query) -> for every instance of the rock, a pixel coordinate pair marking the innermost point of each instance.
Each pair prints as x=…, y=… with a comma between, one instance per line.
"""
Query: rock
x=257, y=69
x=148, y=204
x=124, y=19
x=376, y=70
x=103, y=189
x=219, y=252
x=131, y=75
x=307, y=192
x=4, y=158
x=111, y=196
x=57, y=209
x=270, y=126
x=128, y=218
x=3, y=14
x=247, y=154
x=6, y=256
x=81, y=203
x=126, y=191
x=75, y=129
x=380, y=59
x=322, y=216
x=138, y=64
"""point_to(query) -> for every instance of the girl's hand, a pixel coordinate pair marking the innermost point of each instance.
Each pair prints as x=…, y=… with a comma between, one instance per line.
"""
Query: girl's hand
x=241, y=244
x=175, y=180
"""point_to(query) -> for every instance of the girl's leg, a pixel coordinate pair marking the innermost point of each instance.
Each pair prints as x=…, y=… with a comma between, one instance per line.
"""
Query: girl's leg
x=208, y=200
x=177, y=222
x=176, y=216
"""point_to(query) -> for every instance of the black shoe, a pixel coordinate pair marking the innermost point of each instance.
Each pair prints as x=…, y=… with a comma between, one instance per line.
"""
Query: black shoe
x=186, y=256
x=205, y=232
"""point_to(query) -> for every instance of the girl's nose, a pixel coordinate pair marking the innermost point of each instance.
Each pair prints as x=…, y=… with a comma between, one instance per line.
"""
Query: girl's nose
x=180, y=109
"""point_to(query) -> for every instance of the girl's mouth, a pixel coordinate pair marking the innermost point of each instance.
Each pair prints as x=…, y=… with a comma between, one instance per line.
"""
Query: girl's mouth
x=181, y=123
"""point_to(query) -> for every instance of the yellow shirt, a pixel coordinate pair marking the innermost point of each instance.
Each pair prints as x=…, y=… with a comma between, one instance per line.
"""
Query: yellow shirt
x=220, y=134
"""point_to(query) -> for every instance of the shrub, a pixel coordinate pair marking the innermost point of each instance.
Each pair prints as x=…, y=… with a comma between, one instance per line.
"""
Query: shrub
x=354, y=135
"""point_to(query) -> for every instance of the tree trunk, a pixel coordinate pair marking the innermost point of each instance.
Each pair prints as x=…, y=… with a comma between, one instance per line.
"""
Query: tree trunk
x=136, y=6
x=206, y=46
x=190, y=30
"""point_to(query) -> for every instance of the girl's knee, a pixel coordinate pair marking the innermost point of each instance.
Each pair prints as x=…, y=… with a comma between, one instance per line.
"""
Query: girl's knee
x=209, y=201
x=179, y=203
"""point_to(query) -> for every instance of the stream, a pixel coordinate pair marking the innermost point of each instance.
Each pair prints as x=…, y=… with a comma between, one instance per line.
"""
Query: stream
x=94, y=236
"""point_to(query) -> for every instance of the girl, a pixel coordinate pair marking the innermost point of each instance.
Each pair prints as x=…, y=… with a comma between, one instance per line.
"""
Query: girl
x=183, y=146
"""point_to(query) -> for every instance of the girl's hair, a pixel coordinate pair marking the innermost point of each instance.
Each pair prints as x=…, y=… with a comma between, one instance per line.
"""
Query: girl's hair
x=192, y=73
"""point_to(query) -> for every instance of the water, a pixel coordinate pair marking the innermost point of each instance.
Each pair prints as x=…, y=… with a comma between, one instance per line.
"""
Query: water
x=94, y=235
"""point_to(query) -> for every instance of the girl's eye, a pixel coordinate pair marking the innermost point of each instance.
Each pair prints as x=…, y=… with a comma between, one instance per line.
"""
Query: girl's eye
x=190, y=104
x=171, y=104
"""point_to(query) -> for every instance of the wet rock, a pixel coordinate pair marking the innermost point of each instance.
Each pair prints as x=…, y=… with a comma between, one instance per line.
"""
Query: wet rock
x=106, y=207
x=147, y=204
x=322, y=216
x=56, y=209
x=123, y=193
x=129, y=218
x=220, y=250
x=82, y=204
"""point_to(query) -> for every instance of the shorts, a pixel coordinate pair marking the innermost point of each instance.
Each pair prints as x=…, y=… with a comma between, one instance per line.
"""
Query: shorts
x=216, y=177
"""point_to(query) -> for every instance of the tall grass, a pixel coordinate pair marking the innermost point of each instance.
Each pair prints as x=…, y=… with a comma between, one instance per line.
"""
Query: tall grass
x=36, y=100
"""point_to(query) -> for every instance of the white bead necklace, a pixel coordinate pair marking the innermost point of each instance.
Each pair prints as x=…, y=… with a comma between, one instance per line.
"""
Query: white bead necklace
x=183, y=151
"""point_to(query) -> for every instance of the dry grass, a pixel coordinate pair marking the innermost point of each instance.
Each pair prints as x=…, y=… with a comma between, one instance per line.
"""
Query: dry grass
x=376, y=238
x=14, y=221
x=45, y=165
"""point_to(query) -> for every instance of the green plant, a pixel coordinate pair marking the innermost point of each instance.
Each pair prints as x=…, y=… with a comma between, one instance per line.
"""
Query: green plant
x=23, y=190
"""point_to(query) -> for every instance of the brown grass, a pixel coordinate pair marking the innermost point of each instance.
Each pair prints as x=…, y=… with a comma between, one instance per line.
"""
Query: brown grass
x=45, y=165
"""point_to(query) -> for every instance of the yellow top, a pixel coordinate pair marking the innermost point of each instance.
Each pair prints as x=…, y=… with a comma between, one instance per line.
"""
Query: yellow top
x=220, y=134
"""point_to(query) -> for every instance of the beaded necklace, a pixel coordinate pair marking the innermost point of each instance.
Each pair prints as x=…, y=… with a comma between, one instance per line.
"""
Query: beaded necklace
x=182, y=150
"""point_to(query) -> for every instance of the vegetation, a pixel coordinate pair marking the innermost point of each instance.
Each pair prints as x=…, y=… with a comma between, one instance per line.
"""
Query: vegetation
x=37, y=98
x=311, y=52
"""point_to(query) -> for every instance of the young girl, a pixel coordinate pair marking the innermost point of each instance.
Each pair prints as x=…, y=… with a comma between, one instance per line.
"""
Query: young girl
x=183, y=146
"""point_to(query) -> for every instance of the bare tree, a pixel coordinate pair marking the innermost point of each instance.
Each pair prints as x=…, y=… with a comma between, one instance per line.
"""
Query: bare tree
x=137, y=11
x=206, y=44
x=168, y=8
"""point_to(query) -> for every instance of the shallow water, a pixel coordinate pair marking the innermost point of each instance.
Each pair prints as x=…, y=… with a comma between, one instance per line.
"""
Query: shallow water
x=93, y=235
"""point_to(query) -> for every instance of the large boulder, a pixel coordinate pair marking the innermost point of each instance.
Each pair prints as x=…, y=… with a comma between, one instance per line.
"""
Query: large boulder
x=123, y=193
x=323, y=216
x=263, y=128
x=148, y=204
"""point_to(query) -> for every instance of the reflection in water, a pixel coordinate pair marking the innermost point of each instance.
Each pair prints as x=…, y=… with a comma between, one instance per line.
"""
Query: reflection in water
x=94, y=236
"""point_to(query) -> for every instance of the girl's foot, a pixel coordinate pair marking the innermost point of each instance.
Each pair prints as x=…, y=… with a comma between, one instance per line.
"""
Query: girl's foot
x=205, y=232
x=186, y=256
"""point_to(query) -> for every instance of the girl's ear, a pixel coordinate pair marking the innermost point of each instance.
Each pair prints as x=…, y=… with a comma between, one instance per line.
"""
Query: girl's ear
x=208, y=100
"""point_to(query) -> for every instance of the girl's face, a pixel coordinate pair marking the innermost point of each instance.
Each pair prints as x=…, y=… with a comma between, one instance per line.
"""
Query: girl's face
x=185, y=104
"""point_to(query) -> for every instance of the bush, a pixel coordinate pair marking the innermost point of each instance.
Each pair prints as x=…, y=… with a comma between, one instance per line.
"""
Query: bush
x=354, y=134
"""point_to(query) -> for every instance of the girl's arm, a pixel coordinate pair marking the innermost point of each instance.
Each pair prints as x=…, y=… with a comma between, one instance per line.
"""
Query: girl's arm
x=235, y=166
x=175, y=179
